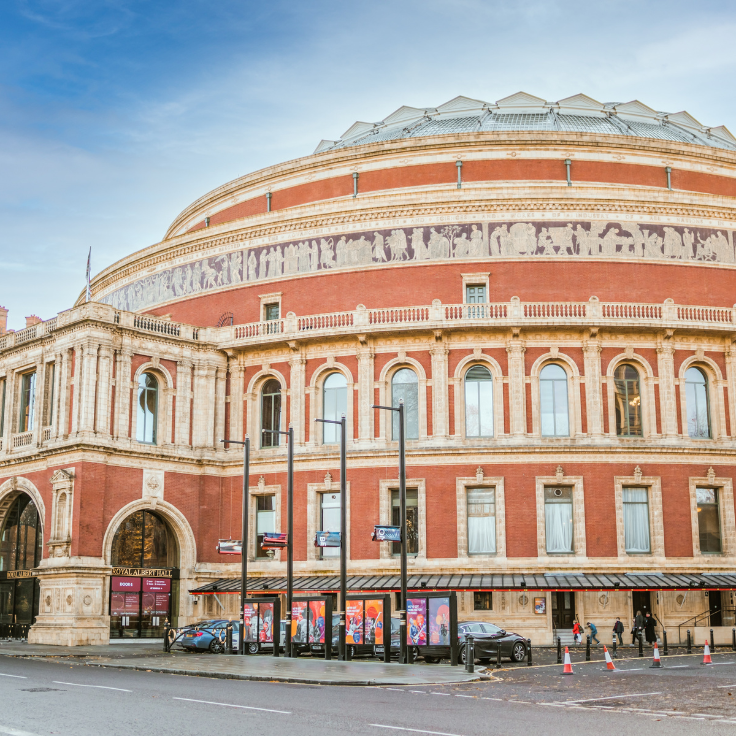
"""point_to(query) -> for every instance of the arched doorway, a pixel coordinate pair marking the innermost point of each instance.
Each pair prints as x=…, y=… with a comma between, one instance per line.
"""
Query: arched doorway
x=21, y=548
x=144, y=584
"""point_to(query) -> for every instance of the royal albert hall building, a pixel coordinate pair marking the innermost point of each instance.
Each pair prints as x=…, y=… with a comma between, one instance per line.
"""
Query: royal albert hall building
x=549, y=287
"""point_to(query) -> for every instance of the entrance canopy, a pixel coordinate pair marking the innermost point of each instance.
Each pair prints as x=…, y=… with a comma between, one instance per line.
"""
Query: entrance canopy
x=548, y=581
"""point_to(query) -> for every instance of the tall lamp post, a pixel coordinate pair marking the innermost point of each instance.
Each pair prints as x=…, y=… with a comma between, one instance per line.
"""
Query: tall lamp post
x=403, y=658
x=343, y=537
x=242, y=649
x=289, y=531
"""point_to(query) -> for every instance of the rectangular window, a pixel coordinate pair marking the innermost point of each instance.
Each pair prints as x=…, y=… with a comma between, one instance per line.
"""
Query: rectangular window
x=27, y=401
x=265, y=521
x=636, y=520
x=412, y=521
x=482, y=601
x=330, y=520
x=50, y=375
x=481, y=521
x=475, y=294
x=558, y=519
x=3, y=383
x=271, y=311
x=709, y=521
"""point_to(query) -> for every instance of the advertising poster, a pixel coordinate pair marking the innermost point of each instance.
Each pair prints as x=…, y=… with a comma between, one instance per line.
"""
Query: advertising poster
x=354, y=622
x=439, y=621
x=299, y=622
x=117, y=604
x=540, y=605
x=316, y=622
x=265, y=622
x=161, y=604
x=149, y=601
x=416, y=621
x=250, y=622
x=374, y=622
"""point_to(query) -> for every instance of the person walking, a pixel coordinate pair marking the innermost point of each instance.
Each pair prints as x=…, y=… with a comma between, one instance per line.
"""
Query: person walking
x=649, y=625
x=593, y=632
x=618, y=631
x=636, y=629
x=577, y=632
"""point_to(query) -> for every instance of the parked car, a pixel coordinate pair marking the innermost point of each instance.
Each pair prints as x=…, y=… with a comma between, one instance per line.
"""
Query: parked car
x=486, y=638
x=256, y=647
x=208, y=636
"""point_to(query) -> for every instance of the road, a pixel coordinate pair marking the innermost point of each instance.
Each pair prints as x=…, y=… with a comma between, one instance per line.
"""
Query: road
x=41, y=697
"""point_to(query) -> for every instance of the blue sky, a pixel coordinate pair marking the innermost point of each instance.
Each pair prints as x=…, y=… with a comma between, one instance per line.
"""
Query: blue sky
x=116, y=114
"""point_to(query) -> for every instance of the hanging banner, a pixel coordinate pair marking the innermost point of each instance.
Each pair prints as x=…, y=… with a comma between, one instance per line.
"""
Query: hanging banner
x=274, y=540
x=416, y=621
x=374, y=622
x=299, y=622
x=317, y=622
x=386, y=533
x=327, y=539
x=439, y=621
x=354, y=622
x=230, y=547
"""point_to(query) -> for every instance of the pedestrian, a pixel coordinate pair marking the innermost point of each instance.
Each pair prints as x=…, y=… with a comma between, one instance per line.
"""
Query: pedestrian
x=618, y=631
x=649, y=625
x=593, y=632
x=577, y=632
x=636, y=629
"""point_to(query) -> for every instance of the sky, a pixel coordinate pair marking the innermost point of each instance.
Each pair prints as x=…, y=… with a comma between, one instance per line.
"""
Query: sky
x=117, y=114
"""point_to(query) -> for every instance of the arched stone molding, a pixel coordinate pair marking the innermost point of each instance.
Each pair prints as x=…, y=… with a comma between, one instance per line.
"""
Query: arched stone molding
x=166, y=396
x=253, y=405
x=574, y=411
x=316, y=394
x=12, y=488
x=649, y=412
x=385, y=378
x=458, y=384
x=716, y=396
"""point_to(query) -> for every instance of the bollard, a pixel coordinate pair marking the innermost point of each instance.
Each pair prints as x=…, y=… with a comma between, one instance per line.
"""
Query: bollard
x=528, y=652
x=242, y=646
x=229, y=638
x=166, y=636
x=712, y=642
x=409, y=655
x=587, y=649
x=641, y=644
x=498, y=656
x=613, y=647
x=689, y=643
x=733, y=639
x=559, y=650
x=469, y=654
x=665, y=651
x=348, y=653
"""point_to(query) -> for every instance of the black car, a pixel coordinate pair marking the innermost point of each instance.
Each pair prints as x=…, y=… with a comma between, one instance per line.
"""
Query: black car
x=486, y=638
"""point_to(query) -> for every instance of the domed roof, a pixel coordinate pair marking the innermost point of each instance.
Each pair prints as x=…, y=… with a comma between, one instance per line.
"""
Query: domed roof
x=522, y=112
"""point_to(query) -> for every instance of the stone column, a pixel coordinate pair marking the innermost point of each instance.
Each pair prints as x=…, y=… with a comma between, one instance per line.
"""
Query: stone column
x=667, y=403
x=104, y=390
x=440, y=415
x=38, y=403
x=593, y=400
x=220, y=395
x=8, y=428
x=122, y=394
x=237, y=373
x=86, y=388
x=517, y=388
x=731, y=379
x=59, y=390
x=183, y=401
x=297, y=363
x=365, y=393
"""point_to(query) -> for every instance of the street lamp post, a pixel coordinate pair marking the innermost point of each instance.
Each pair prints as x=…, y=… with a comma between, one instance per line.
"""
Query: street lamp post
x=242, y=649
x=403, y=656
x=289, y=531
x=343, y=537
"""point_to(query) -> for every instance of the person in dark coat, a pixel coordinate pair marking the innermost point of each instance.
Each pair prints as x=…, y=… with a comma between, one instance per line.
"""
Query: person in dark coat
x=649, y=624
x=618, y=630
x=637, y=627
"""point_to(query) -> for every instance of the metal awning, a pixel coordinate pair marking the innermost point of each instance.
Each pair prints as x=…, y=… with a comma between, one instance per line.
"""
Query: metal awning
x=546, y=581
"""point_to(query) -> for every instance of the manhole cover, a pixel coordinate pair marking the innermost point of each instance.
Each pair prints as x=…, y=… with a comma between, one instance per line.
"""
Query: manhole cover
x=42, y=690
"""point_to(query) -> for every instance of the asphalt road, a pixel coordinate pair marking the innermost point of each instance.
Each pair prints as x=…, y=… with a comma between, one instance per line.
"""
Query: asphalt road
x=41, y=697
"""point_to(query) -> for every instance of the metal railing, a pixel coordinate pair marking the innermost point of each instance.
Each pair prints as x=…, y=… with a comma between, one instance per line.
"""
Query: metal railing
x=703, y=619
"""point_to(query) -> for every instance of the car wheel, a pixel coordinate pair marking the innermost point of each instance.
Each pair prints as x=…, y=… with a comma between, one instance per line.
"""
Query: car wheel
x=518, y=652
x=217, y=647
x=351, y=652
x=253, y=648
x=462, y=657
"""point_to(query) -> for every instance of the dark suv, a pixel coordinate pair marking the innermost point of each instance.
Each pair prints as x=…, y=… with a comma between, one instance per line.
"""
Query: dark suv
x=487, y=637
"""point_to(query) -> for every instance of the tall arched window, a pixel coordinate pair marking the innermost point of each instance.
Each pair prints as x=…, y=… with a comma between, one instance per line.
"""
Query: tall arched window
x=147, y=409
x=144, y=540
x=628, y=402
x=404, y=385
x=21, y=541
x=553, y=401
x=696, y=398
x=334, y=405
x=270, y=412
x=478, y=402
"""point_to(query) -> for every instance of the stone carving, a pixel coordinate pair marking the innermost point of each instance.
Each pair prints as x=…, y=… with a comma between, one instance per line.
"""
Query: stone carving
x=637, y=474
x=440, y=242
x=153, y=484
x=328, y=481
x=559, y=474
x=711, y=476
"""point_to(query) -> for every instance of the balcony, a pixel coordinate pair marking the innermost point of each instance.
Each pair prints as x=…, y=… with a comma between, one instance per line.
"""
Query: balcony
x=23, y=439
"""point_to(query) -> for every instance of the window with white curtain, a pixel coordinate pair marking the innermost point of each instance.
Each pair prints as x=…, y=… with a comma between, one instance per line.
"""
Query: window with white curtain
x=481, y=521
x=334, y=405
x=478, y=402
x=553, y=401
x=696, y=399
x=330, y=520
x=636, y=520
x=405, y=385
x=558, y=519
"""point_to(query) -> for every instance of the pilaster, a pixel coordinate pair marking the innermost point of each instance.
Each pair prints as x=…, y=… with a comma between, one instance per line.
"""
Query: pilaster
x=297, y=363
x=183, y=401
x=122, y=395
x=440, y=411
x=365, y=392
x=517, y=393
x=666, y=371
x=593, y=400
x=237, y=373
x=104, y=389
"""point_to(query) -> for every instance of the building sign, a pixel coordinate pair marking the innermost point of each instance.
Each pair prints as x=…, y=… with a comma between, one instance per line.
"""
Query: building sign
x=229, y=547
x=274, y=540
x=144, y=572
x=156, y=585
x=386, y=534
x=327, y=539
x=17, y=574
x=126, y=585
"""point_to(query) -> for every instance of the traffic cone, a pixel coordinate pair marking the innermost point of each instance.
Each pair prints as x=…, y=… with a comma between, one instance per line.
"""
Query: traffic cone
x=609, y=661
x=657, y=662
x=567, y=668
x=706, y=654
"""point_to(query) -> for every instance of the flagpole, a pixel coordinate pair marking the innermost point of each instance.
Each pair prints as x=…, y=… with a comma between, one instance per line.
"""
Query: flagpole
x=89, y=263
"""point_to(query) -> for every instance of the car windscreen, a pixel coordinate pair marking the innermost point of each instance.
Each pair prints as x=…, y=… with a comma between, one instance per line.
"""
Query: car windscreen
x=491, y=628
x=472, y=628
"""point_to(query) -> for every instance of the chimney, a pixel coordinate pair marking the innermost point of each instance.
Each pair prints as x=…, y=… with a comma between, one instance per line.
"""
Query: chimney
x=3, y=320
x=32, y=320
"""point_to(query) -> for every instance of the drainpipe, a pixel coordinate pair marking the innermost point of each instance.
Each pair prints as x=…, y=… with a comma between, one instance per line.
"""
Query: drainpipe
x=459, y=165
x=568, y=163
x=268, y=201
x=668, y=169
x=355, y=184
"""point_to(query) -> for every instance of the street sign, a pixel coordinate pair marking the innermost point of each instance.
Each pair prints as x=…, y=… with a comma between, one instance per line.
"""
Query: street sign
x=274, y=540
x=229, y=547
x=327, y=539
x=386, y=533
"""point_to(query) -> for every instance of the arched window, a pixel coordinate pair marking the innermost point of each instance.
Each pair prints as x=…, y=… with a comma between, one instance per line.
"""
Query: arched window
x=628, y=402
x=147, y=409
x=270, y=412
x=478, y=402
x=21, y=537
x=553, y=401
x=334, y=405
x=144, y=540
x=404, y=385
x=696, y=398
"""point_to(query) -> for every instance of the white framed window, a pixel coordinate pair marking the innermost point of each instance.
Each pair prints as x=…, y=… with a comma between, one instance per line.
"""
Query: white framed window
x=560, y=515
x=405, y=385
x=637, y=538
x=481, y=521
x=478, y=402
x=147, y=419
x=558, y=520
x=265, y=521
x=712, y=514
x=696, y=401
x=709, y=521
x=639, y=526
x=334, y=405
x=553, y=401
x=416, y=512
x=329, y=519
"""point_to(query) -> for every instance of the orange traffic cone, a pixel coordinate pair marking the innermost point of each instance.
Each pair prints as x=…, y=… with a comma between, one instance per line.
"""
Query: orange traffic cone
x=567, y=668
x=609, y=661
x=706, y=654
x=657, y=662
